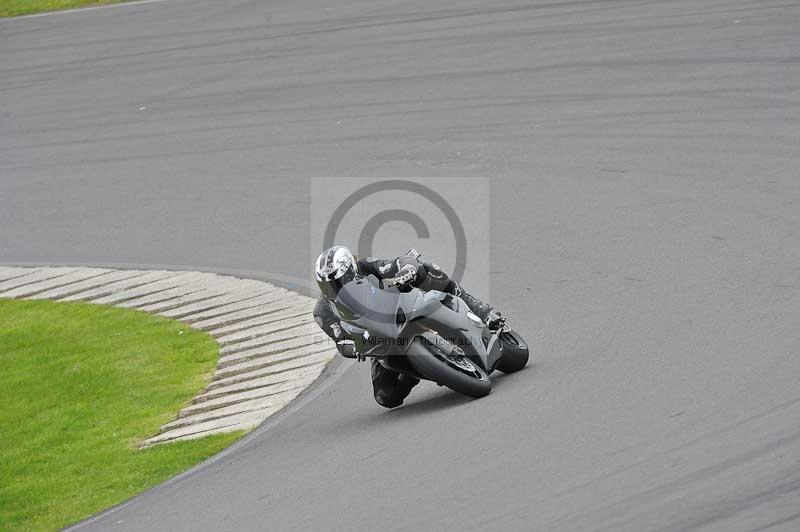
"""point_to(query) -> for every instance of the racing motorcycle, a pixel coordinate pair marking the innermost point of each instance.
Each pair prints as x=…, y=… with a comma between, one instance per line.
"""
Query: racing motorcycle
x=429, y=335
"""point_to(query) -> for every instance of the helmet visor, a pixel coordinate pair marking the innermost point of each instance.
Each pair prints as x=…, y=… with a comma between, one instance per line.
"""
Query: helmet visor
x=330, y=288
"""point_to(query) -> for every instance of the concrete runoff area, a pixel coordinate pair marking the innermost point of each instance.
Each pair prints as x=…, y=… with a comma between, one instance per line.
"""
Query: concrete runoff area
x=644, y=221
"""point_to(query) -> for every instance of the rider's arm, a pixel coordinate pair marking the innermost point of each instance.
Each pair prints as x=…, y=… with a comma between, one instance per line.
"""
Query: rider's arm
x=380, y=268
x=327, y=320
x=387, y=269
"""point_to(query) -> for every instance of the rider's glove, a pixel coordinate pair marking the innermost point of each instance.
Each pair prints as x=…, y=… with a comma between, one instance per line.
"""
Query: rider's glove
x=347, y=348
x=406, y=275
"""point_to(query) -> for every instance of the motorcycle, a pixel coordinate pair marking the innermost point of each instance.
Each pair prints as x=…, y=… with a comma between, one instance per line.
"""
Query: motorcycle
x=429, y=335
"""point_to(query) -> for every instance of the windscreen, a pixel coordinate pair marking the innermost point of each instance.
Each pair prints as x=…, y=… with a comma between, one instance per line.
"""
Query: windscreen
x=365, y=304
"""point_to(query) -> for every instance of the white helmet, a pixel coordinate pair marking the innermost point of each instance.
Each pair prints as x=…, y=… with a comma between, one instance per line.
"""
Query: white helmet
x=335, y=267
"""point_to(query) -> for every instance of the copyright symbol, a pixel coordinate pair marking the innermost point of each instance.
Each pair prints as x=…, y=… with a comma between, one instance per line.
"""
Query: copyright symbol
x=371, y=227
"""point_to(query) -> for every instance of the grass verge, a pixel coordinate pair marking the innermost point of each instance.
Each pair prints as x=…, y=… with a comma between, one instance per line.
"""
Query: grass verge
x=13, y=8
x=80, y=386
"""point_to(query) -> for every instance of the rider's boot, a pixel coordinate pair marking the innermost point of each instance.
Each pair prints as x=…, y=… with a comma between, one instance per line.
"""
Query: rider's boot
x=389, y=387
x=493, y=319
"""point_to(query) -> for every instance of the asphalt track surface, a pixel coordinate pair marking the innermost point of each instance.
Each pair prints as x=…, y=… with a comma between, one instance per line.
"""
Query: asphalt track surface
x=645, y=202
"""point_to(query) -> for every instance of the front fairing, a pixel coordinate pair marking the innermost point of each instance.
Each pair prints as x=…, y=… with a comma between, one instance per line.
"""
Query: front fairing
x=381, y=311
x=385, y=313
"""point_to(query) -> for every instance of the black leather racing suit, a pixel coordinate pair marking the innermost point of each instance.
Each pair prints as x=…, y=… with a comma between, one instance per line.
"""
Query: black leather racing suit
x=389, y=387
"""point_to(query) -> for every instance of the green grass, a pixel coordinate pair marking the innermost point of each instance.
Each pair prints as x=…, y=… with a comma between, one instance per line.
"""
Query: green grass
x=80, y=386
x=13, y=8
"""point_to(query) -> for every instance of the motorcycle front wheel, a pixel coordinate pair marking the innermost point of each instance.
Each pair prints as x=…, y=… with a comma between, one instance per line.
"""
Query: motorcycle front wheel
x=454, y=369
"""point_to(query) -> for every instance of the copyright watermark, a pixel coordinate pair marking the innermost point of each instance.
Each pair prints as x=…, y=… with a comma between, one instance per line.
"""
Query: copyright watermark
x=445, y=219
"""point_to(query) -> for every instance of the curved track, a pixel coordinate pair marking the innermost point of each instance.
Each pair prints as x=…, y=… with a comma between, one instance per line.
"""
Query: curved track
x=646, y=204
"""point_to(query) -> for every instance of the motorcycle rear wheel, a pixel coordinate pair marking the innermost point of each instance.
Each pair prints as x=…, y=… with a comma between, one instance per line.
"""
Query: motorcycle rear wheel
x=515, y=352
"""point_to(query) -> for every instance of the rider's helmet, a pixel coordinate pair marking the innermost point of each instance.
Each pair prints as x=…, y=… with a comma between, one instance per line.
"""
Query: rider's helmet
x=335, y=267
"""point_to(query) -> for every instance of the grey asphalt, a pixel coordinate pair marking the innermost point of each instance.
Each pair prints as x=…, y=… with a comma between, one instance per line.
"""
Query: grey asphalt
x=645, y=202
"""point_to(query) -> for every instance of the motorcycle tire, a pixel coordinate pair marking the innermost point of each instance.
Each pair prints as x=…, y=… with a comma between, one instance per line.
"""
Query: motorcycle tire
x=515, y=352
x=453, y=370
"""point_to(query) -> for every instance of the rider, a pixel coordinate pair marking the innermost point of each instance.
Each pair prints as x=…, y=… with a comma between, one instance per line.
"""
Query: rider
x=337, y=266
